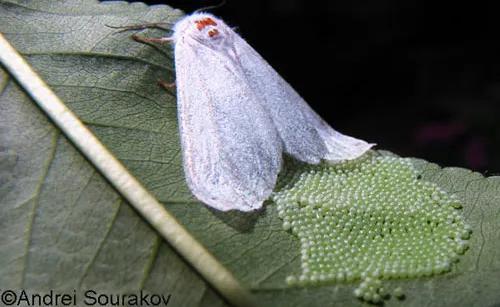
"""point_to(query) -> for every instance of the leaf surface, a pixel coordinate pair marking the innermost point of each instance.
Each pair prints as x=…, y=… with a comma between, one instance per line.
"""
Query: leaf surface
x=65, y=227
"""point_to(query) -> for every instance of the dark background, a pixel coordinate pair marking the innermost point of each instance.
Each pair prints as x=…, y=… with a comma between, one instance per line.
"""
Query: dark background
x=419, y=78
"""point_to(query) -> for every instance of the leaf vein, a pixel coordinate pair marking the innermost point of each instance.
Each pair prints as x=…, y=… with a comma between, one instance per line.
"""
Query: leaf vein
x=36, y=202
x=118, y=205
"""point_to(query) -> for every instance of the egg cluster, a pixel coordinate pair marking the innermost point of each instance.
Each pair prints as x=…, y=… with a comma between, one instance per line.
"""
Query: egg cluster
x=369, y=220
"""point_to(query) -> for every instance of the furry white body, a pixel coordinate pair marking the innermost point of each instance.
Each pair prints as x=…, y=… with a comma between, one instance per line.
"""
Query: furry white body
x=237, y=116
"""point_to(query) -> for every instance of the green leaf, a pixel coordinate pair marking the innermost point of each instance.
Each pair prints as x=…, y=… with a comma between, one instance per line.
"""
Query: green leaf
x=64, y=227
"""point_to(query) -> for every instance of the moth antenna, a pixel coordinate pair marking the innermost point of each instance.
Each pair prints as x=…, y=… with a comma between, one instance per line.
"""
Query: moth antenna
x=211, y=7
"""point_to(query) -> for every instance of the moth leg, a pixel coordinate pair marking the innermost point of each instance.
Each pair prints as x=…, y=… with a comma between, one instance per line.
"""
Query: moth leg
x=166, y=85
x=156, y=25
x=143, y=26
x=148, y=40
x=143, y=39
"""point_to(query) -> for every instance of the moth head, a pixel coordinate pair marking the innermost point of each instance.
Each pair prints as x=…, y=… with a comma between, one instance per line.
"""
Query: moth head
x=202, y=27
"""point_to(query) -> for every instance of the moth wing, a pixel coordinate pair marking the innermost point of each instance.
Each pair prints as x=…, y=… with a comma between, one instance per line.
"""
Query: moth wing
x=231, y=150
x=305, y=135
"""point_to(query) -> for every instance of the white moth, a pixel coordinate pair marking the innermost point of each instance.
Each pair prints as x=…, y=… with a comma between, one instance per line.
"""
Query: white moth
x=237, y=116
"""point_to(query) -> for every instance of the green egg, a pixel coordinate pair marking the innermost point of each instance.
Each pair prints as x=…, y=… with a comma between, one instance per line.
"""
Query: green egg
x=369, y=220
x=398, y=293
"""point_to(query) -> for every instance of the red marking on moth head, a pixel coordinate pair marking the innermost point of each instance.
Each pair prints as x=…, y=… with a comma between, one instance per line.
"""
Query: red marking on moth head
x=213, y=32
x=202, y=23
